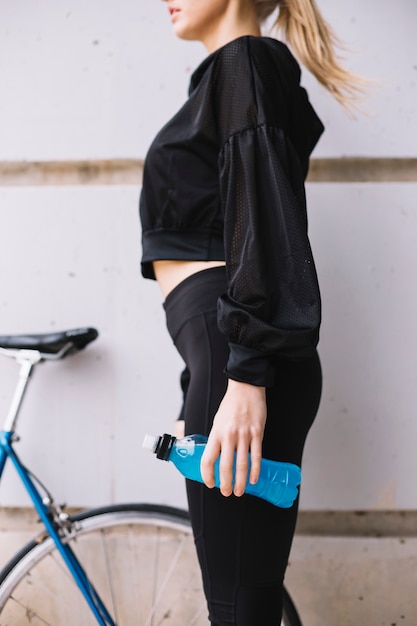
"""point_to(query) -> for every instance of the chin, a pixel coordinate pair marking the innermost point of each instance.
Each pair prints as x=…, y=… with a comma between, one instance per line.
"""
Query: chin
x=182, y=32
x=185, y=36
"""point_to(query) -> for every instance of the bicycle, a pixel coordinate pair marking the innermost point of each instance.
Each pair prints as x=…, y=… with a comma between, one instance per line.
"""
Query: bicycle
x=117, y=565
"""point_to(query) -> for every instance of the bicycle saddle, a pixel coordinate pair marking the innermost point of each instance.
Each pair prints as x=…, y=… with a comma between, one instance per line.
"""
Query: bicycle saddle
x=50, y=343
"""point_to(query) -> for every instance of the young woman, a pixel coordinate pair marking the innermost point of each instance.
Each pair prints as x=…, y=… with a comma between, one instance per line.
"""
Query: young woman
x=225, y=235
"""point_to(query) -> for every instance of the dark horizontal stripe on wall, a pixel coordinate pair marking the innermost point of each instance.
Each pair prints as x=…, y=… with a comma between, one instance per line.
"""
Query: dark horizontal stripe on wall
x=51, y=173
x=377, y=523
x=363, y=170
x=129, y=171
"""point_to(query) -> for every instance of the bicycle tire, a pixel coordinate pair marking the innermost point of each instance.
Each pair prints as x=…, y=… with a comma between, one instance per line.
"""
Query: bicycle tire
x=141, y=559
x=290, y=616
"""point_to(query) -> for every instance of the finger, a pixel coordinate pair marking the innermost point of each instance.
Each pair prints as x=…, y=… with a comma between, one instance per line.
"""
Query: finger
x=241, y=471
x=227, y=460
x=256, y=456
x=210, y=456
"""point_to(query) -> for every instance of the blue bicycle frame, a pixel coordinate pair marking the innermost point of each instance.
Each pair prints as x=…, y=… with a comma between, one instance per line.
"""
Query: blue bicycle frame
x=57, y=523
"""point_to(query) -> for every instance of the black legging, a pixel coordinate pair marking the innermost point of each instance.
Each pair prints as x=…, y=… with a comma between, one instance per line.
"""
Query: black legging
x=243, y=543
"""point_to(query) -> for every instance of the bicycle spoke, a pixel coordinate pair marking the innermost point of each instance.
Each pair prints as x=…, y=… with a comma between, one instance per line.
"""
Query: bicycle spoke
x=109, y=574
x=58, y=561
x=134, y=563
x=197, y=616
x=187, y=585
x=165, y=582
x=30, y=614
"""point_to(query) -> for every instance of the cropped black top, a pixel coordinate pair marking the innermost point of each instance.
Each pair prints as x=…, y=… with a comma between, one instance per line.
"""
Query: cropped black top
x=224, y=180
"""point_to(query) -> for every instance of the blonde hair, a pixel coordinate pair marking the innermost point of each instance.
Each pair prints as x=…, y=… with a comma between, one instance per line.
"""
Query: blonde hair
x=314, y=43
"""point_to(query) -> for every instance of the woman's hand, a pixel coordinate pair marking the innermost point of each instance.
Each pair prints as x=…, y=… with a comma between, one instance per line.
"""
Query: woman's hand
x=238, y=427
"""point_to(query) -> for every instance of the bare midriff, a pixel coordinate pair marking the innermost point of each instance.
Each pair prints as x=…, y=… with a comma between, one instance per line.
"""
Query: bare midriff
x=169, y=274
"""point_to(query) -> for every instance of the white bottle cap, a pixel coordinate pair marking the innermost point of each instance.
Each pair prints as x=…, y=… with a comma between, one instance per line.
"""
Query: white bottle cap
x=150, y=442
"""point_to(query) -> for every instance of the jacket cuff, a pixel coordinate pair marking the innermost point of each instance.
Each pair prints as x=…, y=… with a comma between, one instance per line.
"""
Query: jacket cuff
x=247, y=365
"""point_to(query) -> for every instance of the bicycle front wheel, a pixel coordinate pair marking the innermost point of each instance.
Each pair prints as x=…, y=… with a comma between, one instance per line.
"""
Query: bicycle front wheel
x=140, y=558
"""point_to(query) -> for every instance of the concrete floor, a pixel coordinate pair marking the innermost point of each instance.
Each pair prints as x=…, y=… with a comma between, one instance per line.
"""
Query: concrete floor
x=342, y=581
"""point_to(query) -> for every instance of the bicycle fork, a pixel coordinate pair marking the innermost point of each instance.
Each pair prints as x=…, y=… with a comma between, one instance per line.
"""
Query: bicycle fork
x=58, y=525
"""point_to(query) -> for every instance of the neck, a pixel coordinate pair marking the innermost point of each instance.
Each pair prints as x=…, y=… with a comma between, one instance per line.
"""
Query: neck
x=236, y=23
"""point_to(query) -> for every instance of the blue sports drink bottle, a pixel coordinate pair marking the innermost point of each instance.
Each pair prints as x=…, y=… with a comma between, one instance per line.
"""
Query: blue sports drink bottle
x=278, y=482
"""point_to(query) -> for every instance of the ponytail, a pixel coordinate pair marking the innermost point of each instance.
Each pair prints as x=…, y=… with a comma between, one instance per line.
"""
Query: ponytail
x=314, y=43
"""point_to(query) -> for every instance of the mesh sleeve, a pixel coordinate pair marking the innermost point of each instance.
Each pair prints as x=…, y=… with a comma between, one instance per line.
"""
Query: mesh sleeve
x=272, y=306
